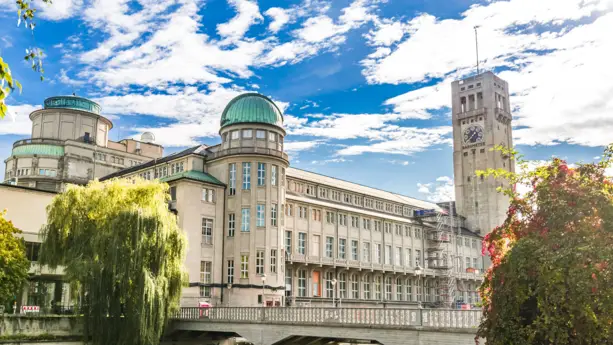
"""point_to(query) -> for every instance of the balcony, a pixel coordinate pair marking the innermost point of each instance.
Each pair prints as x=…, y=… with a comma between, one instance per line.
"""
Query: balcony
x=247, y=150
x=38, y=141
x=471, y=113
x=502, y=115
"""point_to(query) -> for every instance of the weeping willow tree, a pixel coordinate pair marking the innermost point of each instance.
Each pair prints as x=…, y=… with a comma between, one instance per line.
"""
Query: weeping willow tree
x=119, y=243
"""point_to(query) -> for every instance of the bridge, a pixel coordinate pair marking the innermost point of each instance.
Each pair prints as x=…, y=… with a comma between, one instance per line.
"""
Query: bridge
x=320, y=326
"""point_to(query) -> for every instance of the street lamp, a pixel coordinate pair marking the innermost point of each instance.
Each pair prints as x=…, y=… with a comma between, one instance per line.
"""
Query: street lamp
x=333, y=291
x=418, y=273
x=263, y=282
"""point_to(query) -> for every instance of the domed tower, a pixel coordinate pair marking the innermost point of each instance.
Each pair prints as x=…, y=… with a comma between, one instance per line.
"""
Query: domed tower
x=251, y=161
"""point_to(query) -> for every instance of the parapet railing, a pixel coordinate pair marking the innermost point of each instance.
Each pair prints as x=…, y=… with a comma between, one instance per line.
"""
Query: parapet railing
x=247, y=150
x=373, y=317
x=38, y=141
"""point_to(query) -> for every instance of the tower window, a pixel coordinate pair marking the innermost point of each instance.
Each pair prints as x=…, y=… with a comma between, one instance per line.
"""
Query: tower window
x=468, y=178
x=463, y=122
x=462, y=89
x=465, y=154
x=470, y=86
x=482, y=150
x=478, y=84
x=462, y=104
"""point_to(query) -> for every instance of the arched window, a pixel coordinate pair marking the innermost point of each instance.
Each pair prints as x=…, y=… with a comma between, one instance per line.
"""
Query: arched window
x=399, y=289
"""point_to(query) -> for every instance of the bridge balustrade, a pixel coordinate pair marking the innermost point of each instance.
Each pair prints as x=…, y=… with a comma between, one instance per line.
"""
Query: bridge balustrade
x=383, y=317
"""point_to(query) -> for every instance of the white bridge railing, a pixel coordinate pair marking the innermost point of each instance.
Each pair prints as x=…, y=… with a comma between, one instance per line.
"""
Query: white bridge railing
x=383, y=317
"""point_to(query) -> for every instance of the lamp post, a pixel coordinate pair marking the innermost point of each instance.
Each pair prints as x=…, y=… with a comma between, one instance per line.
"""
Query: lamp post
x=418, y=273
x=333, y=291
x=263, y=282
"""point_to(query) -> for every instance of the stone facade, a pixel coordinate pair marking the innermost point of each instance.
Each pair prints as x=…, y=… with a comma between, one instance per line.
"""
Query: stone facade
x=481, y=115
x=70, y=144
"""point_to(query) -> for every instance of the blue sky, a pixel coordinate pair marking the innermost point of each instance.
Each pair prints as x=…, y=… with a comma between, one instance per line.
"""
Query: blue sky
x=364, y=84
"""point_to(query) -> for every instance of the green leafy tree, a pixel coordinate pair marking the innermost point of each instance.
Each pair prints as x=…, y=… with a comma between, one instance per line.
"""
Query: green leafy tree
x=551, y=278
x=25, y=13
x=14, y=265
x=118, y=241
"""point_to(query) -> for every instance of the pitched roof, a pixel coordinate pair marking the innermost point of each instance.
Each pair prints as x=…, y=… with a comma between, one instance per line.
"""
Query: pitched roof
x=193, y=175
x=360, y=189
x=199, y=150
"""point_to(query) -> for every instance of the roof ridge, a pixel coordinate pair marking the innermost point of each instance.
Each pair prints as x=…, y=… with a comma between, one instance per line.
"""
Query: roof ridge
x=362, y=185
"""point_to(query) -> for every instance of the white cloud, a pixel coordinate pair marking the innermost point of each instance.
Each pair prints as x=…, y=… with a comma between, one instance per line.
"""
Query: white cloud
x=59, y=9
x=386, y=33
x=318, y=29
x=553, y=53
x=296, y=146
x=439, y=191
x=332, y=160
x=18, y=120
x=279, y=16
x=248, y=14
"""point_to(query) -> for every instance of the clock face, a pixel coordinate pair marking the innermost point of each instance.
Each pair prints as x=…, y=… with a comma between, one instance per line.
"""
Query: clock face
x=473, y=134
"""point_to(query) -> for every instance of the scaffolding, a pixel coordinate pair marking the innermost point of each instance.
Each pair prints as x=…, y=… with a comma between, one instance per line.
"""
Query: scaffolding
x=441, y=255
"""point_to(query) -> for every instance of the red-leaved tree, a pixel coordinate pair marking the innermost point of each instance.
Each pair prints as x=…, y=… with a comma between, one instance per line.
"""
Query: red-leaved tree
x=550, y=281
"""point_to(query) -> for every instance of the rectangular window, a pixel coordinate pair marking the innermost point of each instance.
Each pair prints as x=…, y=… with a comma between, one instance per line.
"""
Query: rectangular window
x=366, y=252
x=259, y=262
x=231, y=224
x=388, y=255
x=288, y=242
x=245, y=219
x=378, y=254
x=207, y=194
x=474, y=244
x=273, y=175
x=205, y=278
x=273, y=261
x=289, y=210
x=475, y=263
x=417, y=257
x=259, y=134
x=407, y=257
x=302, y=210
x=246, y=176
x=341, y=248
x=466, y=242
x=273, y=214
x=330, y=217
x=398, y=261
x=329, y=287
x=301, y=243
x=354, y=221
x=247, y=133
x=244, y=266
x=261, y=174
x=354, y=250
x=329, y=247
x=467, y=262
x=230, y=271
x=302, y=283
x=342, y=285
x=260, y=220
x=207, y=231
x=232, y=179
x=272, y=136
x=235, y=135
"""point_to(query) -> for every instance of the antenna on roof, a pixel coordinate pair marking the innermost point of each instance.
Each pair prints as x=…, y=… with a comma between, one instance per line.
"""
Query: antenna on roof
x=477, y=46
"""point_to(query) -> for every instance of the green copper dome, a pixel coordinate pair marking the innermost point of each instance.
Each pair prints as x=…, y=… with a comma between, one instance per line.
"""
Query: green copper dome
x=251, y=108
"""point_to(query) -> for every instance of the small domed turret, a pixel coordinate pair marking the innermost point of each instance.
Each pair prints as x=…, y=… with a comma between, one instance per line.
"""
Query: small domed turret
x=251, y=108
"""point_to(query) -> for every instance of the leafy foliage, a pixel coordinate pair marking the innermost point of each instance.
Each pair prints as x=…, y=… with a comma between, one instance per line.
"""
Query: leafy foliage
x=119, y=242
x=13, y=262
x=551, y=278
x=26, y=13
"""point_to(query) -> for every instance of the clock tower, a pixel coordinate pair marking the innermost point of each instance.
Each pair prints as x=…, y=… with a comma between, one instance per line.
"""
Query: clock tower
x=481, y=120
